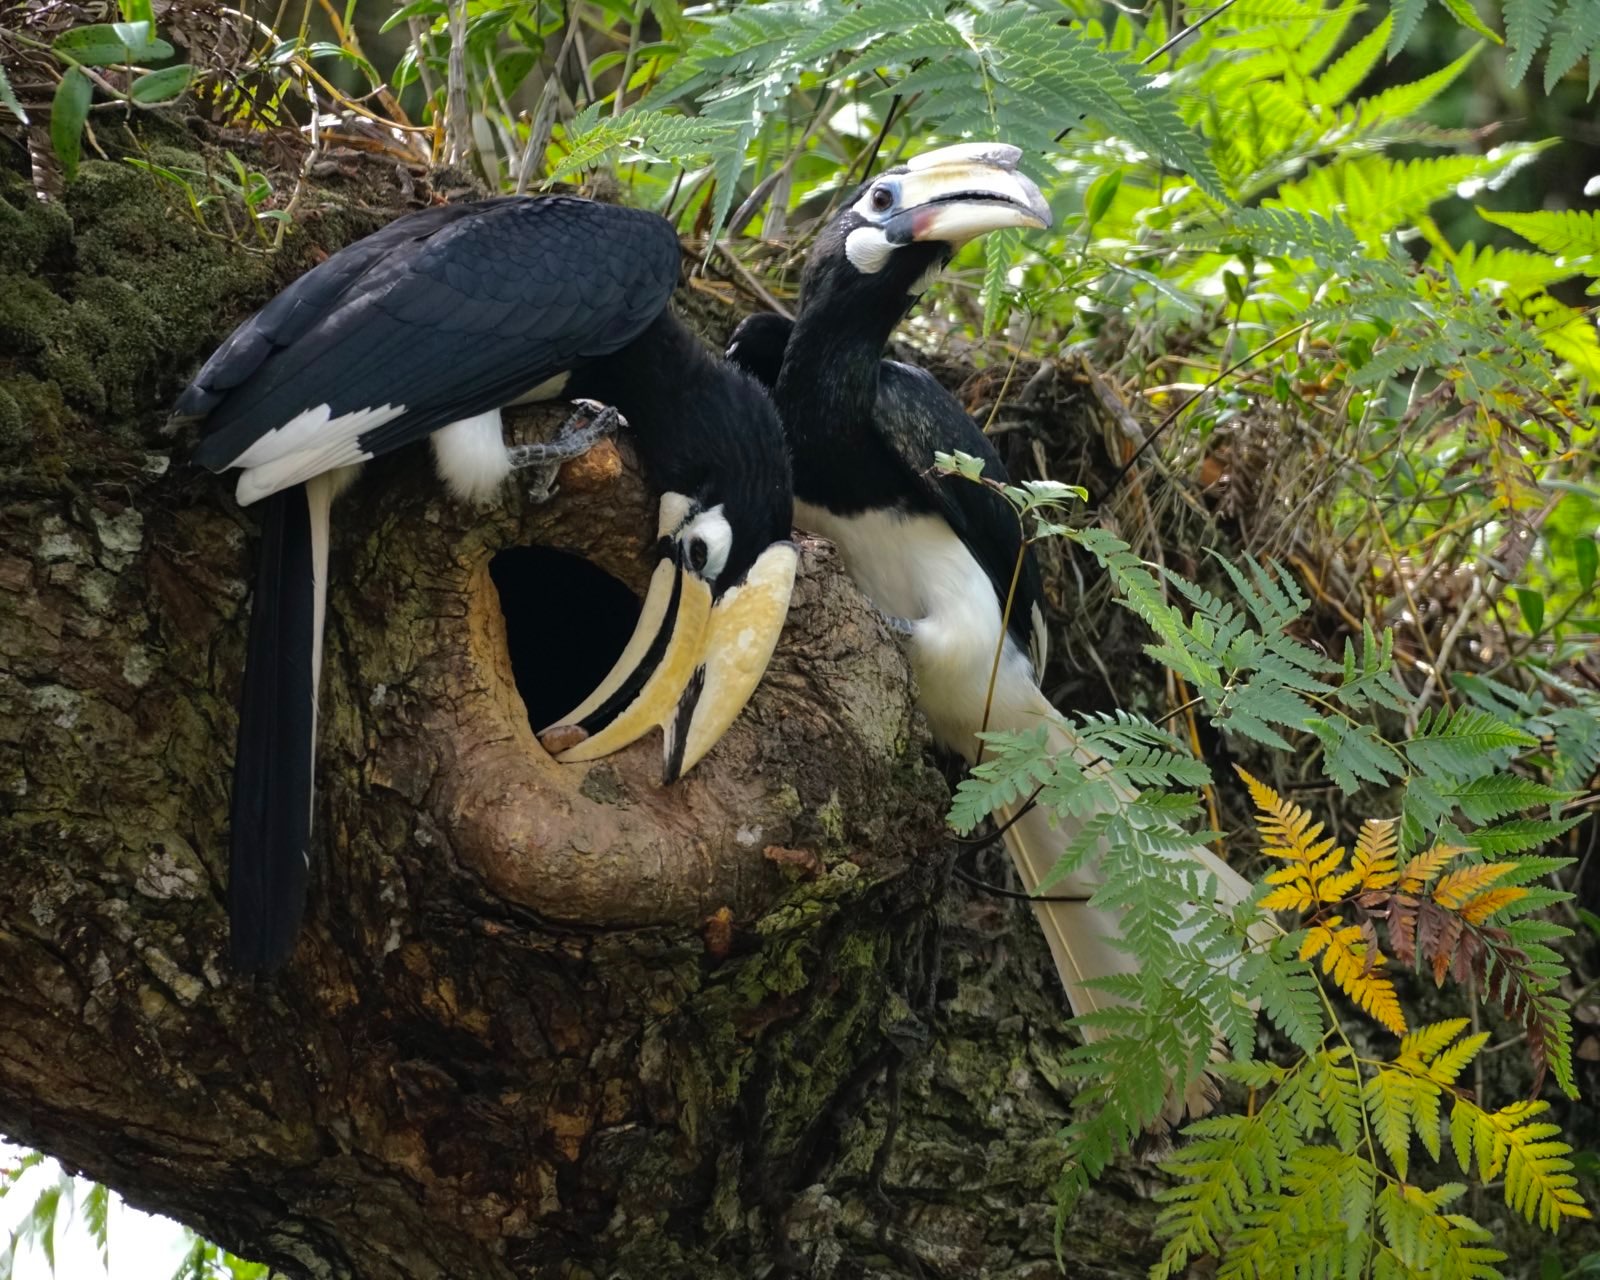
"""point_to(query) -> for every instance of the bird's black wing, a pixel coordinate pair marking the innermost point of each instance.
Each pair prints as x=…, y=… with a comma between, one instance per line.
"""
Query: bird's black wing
x=447, y=313
x=917, y=418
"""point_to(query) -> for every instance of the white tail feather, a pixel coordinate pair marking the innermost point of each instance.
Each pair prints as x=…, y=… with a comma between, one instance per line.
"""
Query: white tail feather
x=1084, y=939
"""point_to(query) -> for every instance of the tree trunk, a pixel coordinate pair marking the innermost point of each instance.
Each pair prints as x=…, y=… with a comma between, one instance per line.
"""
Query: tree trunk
x=544, y=1020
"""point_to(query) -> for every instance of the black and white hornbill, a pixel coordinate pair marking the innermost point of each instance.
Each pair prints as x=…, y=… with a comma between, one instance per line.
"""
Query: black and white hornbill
x=430, y=327
x=936, y=553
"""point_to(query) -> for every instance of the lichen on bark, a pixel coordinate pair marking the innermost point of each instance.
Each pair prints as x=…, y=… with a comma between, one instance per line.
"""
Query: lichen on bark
x=545, y=1020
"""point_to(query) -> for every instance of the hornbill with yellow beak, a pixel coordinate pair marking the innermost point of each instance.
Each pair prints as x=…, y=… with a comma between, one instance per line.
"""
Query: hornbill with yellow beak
x=936, y=553
x=428, y=328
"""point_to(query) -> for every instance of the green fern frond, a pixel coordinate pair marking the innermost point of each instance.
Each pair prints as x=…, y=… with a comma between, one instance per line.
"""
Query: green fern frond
x=1571, y=233
x=1527, y=22
x=656, y=135
x=1466, y=742
x=1406, y=14
x=1404, y=100
x=1576, y=36
x=1287, y=988
x=1340, y=80
x=1486, y=799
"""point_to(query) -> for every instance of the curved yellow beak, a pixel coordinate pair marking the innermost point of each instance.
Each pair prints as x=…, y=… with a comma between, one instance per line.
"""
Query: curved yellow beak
x=740, y=636
x=690, y=666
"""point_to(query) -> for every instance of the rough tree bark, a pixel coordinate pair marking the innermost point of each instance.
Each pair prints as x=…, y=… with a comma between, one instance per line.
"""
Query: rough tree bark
x=544, y=1021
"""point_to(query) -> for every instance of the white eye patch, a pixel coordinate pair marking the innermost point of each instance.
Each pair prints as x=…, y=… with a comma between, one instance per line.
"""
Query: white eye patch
x=706, y=542
x=868, y=249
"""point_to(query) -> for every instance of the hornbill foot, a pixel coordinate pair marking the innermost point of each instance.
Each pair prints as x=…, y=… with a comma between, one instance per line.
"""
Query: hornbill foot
x=897, y=625
x=591, y=423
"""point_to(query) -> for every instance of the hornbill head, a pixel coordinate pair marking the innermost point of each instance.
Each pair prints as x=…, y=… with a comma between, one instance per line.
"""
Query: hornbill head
x=906, y=223
x=720, y=591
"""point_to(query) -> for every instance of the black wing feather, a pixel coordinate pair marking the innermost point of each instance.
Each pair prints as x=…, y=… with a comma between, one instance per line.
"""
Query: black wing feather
x=919, y=418
x=451, y=312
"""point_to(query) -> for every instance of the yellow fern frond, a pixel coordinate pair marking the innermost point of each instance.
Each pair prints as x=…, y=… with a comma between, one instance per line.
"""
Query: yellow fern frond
x=1450, y=1064
x=1424, y=1043
x=1354, y=964
x=1376, y=850
x=1538, y=1176
x=1486, y=904
x=1455, y=888
x=1293, y=897
x=1314, y=876
x=1539, y=1182
x=1425, y=866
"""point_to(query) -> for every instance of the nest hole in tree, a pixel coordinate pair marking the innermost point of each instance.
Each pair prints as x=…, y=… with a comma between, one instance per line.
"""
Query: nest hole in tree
x=567, y=621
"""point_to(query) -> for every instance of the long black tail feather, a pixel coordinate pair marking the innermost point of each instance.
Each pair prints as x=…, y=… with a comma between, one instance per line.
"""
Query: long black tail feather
x=272, y=771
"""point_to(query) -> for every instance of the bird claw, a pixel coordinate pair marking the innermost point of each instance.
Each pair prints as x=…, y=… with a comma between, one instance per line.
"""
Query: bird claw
x=591, y=423
x=897, y=626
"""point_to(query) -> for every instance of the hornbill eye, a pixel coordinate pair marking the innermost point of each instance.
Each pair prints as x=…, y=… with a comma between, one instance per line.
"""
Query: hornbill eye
x=882, y=199
x=697, y=553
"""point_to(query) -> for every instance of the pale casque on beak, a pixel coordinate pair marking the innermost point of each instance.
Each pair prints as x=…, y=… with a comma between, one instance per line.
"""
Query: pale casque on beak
x=951, y=195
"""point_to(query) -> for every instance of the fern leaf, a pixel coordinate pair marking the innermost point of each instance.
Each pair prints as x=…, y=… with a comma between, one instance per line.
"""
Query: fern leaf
x=1526, y=24
x=1407, y=99
x=1288, y=992
x=1571, y=233
x=1426, y=1042
x=1406, y=14
x=1486, y=799
x=1339, y=81
x=1486, y=904
x=1519, y=836
x=1354, y=964
x=1453, y=1061
x=1539, y=1181
x=1354, y=753
x=1576, y=36
x=1338, y=1086
x=1426, y=867
x=1376, y=852
x=1391, y=1100
x=1455, y=888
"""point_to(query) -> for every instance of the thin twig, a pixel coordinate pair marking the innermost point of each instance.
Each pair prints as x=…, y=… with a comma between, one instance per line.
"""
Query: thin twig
x=751, y=282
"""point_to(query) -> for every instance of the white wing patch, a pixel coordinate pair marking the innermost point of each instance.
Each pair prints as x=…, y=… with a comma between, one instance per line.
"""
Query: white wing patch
x=308, y=444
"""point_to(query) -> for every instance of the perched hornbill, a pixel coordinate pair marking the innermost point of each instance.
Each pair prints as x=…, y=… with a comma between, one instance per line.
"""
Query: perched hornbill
x=936, y=553
x=428, y=328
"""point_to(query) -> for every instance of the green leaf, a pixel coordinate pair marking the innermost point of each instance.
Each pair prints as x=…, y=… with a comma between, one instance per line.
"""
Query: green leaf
x=110, y=43
x=163, y=85
x=1407, y=13
x=1485, y=799
x=68, y=112
x=137, y=11
x=1531, y=602
x=1288, y=991
x=1573, y=233
x=1467, y=16
x=416, y=9
x=1526, y=24
x=1097, y=201
x=999, y=251
x=8, y=98
x=1585, y=556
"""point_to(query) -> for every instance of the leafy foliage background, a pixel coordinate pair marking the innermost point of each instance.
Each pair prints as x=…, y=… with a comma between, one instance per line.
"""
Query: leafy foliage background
x=1319, y=349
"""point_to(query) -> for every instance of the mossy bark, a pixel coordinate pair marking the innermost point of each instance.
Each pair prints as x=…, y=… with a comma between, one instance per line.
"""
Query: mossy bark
x=544, y=1020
